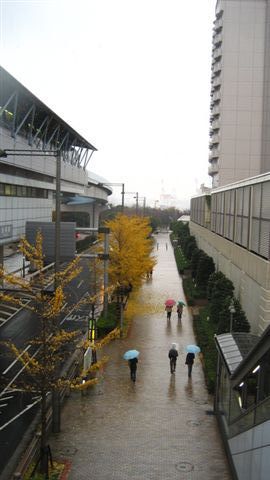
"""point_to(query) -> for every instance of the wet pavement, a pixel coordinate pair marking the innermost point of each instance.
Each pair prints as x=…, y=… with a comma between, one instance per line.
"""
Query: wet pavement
x=158, y=428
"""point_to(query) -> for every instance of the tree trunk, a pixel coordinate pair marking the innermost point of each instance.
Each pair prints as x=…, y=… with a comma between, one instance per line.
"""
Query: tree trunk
x=43, y=440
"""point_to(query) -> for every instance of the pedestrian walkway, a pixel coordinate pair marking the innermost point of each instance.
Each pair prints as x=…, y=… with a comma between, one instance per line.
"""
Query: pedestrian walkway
x=158, y=428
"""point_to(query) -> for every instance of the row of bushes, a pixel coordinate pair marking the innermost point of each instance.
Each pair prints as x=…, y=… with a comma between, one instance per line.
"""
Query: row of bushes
x=181, y=261
x=217, y=290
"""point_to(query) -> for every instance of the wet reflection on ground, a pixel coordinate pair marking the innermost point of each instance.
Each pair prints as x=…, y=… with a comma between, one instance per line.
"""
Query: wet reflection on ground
x=141, y=431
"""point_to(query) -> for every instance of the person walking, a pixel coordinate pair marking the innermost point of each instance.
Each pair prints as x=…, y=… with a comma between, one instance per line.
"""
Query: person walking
x=133, y=368
x=173, y=354
x=179, y=311
x=189, y=362
x=169, y=312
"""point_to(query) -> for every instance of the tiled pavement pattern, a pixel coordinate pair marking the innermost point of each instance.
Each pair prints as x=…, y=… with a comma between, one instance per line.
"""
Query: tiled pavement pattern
x=158, y=428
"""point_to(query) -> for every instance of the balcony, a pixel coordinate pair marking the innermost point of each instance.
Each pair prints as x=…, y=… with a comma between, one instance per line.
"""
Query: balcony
x=215, y=139
x=215, y=110
x=218, y=25
x=215, y=124
x=217, y=67
x=214, y=154
x=213, y=168
x=217, y=39
x=217, y=81
x=217, y=53
x=216, y=96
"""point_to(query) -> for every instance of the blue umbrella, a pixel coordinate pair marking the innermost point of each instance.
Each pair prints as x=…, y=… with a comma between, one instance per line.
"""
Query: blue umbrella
x=193, y=349
x=131, y=354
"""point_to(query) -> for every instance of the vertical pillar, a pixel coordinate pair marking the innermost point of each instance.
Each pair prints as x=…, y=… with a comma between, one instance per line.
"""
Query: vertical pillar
x=57, y=214
x=56, y=409
x=123, y=197
x=1, y=262
x=105, y=257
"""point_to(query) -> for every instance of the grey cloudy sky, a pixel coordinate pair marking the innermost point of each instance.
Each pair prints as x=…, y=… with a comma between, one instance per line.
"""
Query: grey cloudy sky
x=132, y=77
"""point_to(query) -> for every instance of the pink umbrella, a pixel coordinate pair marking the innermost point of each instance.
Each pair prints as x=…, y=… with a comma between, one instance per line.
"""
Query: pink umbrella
x=170, y=302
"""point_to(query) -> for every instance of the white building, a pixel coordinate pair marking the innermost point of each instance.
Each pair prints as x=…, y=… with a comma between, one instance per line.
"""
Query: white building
x=30, y=133
x=240, y=109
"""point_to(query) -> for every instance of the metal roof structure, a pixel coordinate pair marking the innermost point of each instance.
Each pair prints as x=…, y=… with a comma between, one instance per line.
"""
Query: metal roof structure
x=234, y=348
x=22, y=113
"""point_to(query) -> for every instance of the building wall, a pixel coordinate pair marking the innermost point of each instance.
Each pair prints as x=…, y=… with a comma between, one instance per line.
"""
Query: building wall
x=240, y=106
x=15, y=211
x=251, y=453
x=249, y=273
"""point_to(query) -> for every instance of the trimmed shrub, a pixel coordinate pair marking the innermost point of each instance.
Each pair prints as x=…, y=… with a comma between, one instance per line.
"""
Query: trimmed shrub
x=192, y=293
x=204, y=332
x=106, y=325
x=181, y=260
x=205, y=267
x=221, y=290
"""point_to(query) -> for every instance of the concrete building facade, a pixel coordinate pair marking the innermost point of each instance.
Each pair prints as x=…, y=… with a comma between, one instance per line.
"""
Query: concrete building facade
x=30, y=134
x=240, y=109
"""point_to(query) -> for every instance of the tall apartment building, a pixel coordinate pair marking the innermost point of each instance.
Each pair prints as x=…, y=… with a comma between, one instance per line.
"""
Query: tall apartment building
x=240, y=93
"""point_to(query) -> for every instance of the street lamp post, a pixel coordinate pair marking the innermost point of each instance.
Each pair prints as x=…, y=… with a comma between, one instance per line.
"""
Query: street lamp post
x=144, y=204
x=232, y=311
x=122, y=192
x=137, y=199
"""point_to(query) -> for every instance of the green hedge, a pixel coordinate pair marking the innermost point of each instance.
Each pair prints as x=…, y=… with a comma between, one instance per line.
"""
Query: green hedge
x=180, y=259
x=204, y=332
x=106, y=325
x=84, y=243
x=192, y=292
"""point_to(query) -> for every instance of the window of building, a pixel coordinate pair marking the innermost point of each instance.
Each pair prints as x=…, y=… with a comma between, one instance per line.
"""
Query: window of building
x=9, y=190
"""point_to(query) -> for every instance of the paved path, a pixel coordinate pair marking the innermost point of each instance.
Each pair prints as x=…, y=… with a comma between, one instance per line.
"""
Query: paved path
x=158, y=428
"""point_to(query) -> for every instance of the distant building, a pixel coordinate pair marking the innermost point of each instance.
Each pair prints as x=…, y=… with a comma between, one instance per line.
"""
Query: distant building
x=184, y=219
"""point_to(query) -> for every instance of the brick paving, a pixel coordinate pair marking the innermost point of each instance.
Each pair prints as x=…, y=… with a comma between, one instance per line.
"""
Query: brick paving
x=159, y=427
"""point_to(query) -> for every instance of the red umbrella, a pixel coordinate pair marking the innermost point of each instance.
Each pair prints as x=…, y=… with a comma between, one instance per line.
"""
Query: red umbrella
x=170, y=302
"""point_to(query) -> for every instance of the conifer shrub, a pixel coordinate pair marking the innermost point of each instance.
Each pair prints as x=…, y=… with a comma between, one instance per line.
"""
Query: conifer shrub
x=205, y=268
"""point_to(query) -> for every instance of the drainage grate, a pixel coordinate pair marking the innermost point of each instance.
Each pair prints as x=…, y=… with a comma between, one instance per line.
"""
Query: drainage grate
x=201, y=402
x=69, y=451
x=184, y=467
x=194, y=423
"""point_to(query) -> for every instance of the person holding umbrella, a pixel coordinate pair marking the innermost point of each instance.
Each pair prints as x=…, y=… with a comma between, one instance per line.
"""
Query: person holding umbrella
x=132, y=357
x=168, y=307
x=189, y=362
x=173, y=354
x=133, y=368
x=180, y=306
x=191, y=350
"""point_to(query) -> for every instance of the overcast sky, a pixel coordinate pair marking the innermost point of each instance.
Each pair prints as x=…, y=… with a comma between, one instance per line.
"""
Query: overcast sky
x=132, y=77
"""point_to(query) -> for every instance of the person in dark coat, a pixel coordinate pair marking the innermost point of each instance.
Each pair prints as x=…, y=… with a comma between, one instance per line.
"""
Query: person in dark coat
x=179, y=311
x=168, y=309
x=189, y=362
x=173, y=354
x=133, y=368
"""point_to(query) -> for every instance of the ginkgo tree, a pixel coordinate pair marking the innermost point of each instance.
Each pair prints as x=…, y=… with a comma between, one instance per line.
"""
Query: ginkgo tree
x=52, y=344
x=130, y=250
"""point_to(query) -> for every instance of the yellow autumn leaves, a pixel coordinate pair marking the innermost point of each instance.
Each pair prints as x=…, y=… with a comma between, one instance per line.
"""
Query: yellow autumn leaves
x=130, y=250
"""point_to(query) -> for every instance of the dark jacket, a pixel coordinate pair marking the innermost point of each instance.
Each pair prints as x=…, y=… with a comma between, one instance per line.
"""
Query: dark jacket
x=173, y=353
x=190, y=358
x=133, y=364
